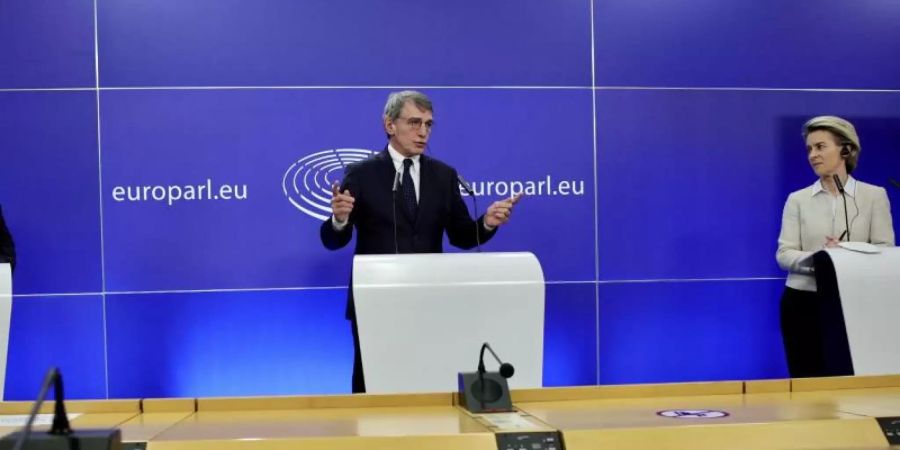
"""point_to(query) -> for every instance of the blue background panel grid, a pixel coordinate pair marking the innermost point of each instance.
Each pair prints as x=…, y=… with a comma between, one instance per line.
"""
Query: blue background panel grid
x=680, y=123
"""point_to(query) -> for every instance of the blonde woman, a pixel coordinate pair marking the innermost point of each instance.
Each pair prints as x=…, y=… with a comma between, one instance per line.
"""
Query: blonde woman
x=815, y=218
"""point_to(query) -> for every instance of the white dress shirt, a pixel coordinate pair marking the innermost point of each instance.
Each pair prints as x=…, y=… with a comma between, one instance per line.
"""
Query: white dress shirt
x=397, y=158
x=812, y=213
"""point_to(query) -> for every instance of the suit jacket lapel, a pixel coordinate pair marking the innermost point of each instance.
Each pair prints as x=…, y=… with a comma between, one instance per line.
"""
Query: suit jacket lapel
x=426, y=187
x=389, y=172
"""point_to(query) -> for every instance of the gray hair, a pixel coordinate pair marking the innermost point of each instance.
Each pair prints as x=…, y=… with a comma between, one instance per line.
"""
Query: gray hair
x=396, y=101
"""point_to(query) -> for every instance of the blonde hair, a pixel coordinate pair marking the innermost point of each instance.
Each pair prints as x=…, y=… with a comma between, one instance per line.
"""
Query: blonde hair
x=844, y=135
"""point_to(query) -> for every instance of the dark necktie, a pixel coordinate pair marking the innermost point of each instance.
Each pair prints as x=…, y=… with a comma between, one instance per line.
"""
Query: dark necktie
x=410, y=205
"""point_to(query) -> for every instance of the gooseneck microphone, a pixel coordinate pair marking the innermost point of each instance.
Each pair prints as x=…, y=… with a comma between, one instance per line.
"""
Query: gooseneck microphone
x=394, y=208
x=506, y=370
x=61, y=435
x=837, y=182
x=485, y=392
x=468, y=188
x=60, y=419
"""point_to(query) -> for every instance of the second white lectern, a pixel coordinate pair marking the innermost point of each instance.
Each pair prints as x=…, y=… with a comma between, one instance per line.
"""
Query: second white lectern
x=863, y=290
x=423, y=317
x=5, y=314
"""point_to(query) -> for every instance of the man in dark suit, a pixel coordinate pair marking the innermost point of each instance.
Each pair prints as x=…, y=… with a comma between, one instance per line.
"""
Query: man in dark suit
x=7, y=247
x=401, y=182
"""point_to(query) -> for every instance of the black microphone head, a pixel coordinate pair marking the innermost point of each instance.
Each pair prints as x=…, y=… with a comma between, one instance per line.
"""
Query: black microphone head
x=465, y=184
x=837, y=182
x=507, y=370
x=396, y=181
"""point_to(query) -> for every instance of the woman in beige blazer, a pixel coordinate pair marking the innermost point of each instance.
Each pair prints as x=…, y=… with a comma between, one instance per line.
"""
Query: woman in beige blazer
x=813, y=219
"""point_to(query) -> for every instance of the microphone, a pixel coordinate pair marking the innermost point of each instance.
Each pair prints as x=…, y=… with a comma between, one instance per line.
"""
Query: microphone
x=465, y=184
x=482, y=391
x=396, y=181
x=394, y=208
x=468, y=187
x=506, y=369
x=60, y=419
x=837, y=182
x=60, y=436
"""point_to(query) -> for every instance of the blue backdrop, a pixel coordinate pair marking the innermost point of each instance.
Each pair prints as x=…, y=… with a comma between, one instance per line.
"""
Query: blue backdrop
x=148, y=148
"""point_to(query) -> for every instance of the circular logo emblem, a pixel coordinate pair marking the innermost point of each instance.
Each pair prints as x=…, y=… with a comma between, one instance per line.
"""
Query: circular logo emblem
x=692, y=413
x=307, y=182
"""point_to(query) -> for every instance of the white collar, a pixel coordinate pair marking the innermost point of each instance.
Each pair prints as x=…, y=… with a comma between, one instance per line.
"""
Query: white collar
x=849, y=187
x=398, y=158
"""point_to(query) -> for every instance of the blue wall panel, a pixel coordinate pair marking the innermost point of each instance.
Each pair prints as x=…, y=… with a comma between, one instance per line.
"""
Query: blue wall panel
x=760, y=43
x=46, y=43
x=570, y=335
x=60, y=331
x=690, y=331
x=236, y=343
x=49, y=189
x=346, y=42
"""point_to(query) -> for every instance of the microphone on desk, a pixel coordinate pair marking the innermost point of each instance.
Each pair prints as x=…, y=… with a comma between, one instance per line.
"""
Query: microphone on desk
x=468, y=188
x=482, y=391
x=394, y=208
x=60, y=436
x=506, y=369
x=840, y=187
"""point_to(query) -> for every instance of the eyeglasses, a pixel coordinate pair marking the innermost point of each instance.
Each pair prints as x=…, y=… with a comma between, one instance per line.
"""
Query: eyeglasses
x=417, y=123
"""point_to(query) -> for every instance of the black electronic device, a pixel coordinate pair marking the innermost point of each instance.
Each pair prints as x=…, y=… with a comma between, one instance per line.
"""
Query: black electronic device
x=61, y=436
x=482, y=391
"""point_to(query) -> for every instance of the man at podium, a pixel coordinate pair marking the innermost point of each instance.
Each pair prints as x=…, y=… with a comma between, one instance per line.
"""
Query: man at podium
x=403, y=201
x=7, y=247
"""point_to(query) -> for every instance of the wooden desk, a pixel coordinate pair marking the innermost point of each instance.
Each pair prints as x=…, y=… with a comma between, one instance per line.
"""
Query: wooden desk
x=334, y=422
x=827, y=413
x=158, y=415
x=769, y=416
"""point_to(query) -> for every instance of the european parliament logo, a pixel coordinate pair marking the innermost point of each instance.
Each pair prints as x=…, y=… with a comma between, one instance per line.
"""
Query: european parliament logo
x=307, y=182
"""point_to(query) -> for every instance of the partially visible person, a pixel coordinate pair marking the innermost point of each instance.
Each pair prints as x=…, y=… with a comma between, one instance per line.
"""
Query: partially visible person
x=814, y=219
x=7, y=247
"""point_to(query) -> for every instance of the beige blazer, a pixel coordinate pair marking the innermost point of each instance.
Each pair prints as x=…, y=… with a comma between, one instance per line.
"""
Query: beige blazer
x=812, y=213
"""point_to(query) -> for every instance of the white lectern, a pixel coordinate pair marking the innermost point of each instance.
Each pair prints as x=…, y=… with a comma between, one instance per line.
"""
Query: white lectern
x=867, y=288
x=423, y=317
x=5, y=313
